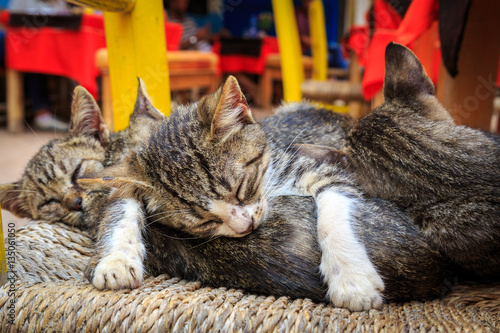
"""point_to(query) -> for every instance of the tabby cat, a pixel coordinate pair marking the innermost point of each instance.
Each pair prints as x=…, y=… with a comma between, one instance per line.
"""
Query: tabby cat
x=48, y=189
x=207, y=171
x=445, y=176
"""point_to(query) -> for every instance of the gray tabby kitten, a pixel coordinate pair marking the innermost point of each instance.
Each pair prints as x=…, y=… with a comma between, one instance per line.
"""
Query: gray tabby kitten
x=48, y=189
x=207, y=171
x=445, y=176
x=282, y=256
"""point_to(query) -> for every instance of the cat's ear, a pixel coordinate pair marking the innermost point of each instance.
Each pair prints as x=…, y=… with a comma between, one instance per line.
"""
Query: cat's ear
x=405, y=77
x=86, y=117
x=143, y=108
x=124, y=176
x=232, y=111
x=10, y=200
x=323, y=154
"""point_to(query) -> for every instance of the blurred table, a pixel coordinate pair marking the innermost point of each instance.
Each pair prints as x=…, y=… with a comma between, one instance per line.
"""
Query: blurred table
x=244, y=55
x=37, y=47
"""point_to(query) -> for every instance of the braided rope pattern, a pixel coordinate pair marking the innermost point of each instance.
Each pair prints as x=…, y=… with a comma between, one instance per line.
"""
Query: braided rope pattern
x=51, y=295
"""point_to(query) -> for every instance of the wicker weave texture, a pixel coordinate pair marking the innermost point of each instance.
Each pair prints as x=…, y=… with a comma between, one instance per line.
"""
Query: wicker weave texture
x=52, y=296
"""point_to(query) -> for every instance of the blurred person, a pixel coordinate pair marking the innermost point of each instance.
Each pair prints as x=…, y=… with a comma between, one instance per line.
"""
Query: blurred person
x=37, y=84
x=302, y=18
x=193, y=37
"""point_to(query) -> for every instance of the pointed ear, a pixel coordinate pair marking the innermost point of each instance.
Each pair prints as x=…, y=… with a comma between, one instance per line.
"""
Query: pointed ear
x=232, y=111
x=323, y=154
x=123, y=175
x=405, y=77
x=9, y=199
x=143, y=108
x=86, y=117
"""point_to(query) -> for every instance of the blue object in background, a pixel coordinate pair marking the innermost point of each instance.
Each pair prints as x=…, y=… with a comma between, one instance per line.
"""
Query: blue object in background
x=213, y=19
x=332, y=14
x=237, y=16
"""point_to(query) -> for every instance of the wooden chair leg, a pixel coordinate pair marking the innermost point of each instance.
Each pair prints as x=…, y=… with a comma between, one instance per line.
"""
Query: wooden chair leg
x=266, y=86
x=355, y=77
x=15, y=101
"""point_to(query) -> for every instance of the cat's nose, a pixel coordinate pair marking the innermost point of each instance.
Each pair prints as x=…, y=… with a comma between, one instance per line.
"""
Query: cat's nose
x=76, y=203
x=250, y=228
x=240, y=221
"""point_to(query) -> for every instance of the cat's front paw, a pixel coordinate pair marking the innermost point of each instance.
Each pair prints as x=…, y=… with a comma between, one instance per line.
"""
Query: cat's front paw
x=116, y=271
x=353, y=282
x=356, y=289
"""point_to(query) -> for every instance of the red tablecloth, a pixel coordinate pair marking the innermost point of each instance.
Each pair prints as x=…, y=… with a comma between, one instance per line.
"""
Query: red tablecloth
x=235, y=63
x=68, y=53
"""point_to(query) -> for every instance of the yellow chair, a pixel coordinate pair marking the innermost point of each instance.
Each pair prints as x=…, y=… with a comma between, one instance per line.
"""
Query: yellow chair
x=135, y=37
x=318, y=88
x=188, y=70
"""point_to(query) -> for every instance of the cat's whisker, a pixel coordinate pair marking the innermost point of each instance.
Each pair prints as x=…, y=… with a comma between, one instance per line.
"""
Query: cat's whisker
x=270, y=187
x=33, y=131
x=169, y=211
x=284, y=155
x=211, y=174
x=208, y=241
x=177, y=238
x=164, y=217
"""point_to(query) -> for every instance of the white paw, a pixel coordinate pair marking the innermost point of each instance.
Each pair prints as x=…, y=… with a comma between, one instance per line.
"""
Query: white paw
x=117, y=271
x=355, y=288
x=353, y=281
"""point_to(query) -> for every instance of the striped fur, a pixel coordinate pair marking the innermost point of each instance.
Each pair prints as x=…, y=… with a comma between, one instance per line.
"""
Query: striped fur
x=445, y=176
x=209, y=170
x=182, y=170
x=48, y=190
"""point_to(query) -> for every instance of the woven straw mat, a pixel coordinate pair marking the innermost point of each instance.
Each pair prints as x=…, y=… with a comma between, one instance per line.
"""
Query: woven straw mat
x=52, y=296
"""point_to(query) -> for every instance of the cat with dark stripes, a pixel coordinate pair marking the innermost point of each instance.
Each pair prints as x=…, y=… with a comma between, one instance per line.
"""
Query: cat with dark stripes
x=446, y=177
x=206, y=178
x=48, y=189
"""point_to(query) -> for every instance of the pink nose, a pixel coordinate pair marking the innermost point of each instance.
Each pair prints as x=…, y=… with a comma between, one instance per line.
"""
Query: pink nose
x=241, y=220
x=250, y=228
x=239, y=213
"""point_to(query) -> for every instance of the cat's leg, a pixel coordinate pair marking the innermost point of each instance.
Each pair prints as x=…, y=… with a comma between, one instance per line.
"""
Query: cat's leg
x=353, y=282
x=118, y=259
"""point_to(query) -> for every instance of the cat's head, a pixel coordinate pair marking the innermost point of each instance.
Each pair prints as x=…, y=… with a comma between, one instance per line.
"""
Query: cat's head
x=48, y=189
x=202, y=169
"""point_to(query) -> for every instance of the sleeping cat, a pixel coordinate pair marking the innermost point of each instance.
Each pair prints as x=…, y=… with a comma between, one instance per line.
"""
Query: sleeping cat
x=447, y=177
x=208, y=171
x=282, y=256
x=48, y=189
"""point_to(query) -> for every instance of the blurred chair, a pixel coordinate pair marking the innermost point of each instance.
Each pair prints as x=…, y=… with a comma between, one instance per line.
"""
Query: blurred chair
x=272, y=72
x=188, y=70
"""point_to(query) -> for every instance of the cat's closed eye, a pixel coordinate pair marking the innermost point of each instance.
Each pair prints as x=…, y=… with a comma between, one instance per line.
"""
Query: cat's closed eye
x=255, y=159
x=76, y=173
x=209, y=223
x=49, y=202
x=86, y=166
x=241, y=190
